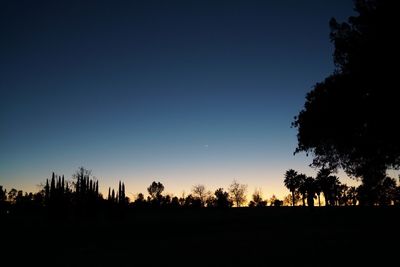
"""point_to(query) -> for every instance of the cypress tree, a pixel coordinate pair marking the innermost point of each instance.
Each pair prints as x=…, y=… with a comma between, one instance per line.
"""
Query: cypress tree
x=47, y=192
x=59, y=183
x=62, y=185
x=97, y=189
x=53, y=186
x=119, y=192
x=123, y=193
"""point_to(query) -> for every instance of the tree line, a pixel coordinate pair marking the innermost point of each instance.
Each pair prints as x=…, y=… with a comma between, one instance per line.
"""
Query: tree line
x=81, y=194
x=306, y=189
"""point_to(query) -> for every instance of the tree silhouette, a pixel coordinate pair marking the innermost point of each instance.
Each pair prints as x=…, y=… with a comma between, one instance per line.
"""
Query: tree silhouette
x=352, y=195
x=318, y=190
x=292, y=182
x=155, y=190
x=345, y=117
x=275, y=201
x=387, y=191
x=3, y=194
x=12, y=194
x=288, y=199
x=302, y=188
x=257, y=200
x=329, y=186
x=222, y=199
x=199, y=191
x=310, y=187
x=238, y=193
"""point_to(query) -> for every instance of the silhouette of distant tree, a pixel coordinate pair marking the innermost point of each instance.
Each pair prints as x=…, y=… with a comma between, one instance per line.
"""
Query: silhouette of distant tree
x=328, y=184
x=3, y=194
x=288, y=199
x=345, y=118
x=121, y=194
x=292, y=182
x=222, y=199
x=396, y=199
x=175, y=202
x=257, y=200
x=302, y=188
x=352, y=195
x=238, y=193
x=210, y=200
x=140, y=201
x=310, y=187
x=199, y=191
x=113, y=196
x=275, y=201
x=341, y=195
x=12, y=194
x=155, y=191
x=47, y=192
x=192, y=202
x=387, y=191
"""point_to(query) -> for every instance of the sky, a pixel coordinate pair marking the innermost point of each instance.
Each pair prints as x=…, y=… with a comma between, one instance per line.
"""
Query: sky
x=181, y=92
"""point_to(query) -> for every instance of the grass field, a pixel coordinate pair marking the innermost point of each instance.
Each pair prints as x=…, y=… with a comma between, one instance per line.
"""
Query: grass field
x=271, y=236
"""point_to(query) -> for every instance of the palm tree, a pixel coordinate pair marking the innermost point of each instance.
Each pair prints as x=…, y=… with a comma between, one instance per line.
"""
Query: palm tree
x=352, y=195
x=310, y=187
x=322, y=181
x=330, y=188
x=317, y=188
x=302, y=187
x=291, y=182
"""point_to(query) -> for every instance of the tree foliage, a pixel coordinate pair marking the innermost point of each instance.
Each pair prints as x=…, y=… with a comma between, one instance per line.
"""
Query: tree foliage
x=238, y=193
x=348, y=118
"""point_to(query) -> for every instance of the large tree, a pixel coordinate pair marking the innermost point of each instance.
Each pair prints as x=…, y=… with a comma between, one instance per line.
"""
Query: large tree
x=348, y=119
x=238, y=193
x=292, y=183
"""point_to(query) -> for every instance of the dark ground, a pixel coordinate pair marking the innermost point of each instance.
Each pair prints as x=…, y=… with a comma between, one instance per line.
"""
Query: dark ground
x=283, y=236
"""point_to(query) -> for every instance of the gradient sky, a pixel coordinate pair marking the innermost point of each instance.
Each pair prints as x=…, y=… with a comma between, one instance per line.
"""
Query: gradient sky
x=182, y=92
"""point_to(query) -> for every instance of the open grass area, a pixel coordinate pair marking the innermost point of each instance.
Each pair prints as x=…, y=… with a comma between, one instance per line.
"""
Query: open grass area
x=270, y=236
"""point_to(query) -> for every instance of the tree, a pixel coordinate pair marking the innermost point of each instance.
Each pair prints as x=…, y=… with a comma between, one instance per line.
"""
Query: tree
x=257, y=199
x=310, y=187
x=346, y=117
x=288, y=201
x=387, y=192
x=222, y=199
x=238, y=193
x=275, y=201
x=12, y=195
x=199, y=191
x=352, y=196
x=302, y=188
x=292, y=182
x=155, y=190
x=3, y=193
x=139, y=201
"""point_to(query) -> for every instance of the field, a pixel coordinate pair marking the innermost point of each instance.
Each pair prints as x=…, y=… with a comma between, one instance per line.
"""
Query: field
x=283, y=236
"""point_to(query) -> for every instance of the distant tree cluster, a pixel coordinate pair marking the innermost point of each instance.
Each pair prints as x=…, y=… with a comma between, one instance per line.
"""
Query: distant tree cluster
x=306, y=189
x=120, y=198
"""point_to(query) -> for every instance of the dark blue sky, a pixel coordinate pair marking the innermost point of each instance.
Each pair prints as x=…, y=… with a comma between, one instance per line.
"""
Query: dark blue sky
x=183, y=92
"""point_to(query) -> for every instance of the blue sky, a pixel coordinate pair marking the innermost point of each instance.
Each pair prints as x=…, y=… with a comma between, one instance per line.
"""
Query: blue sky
x=181, y=92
